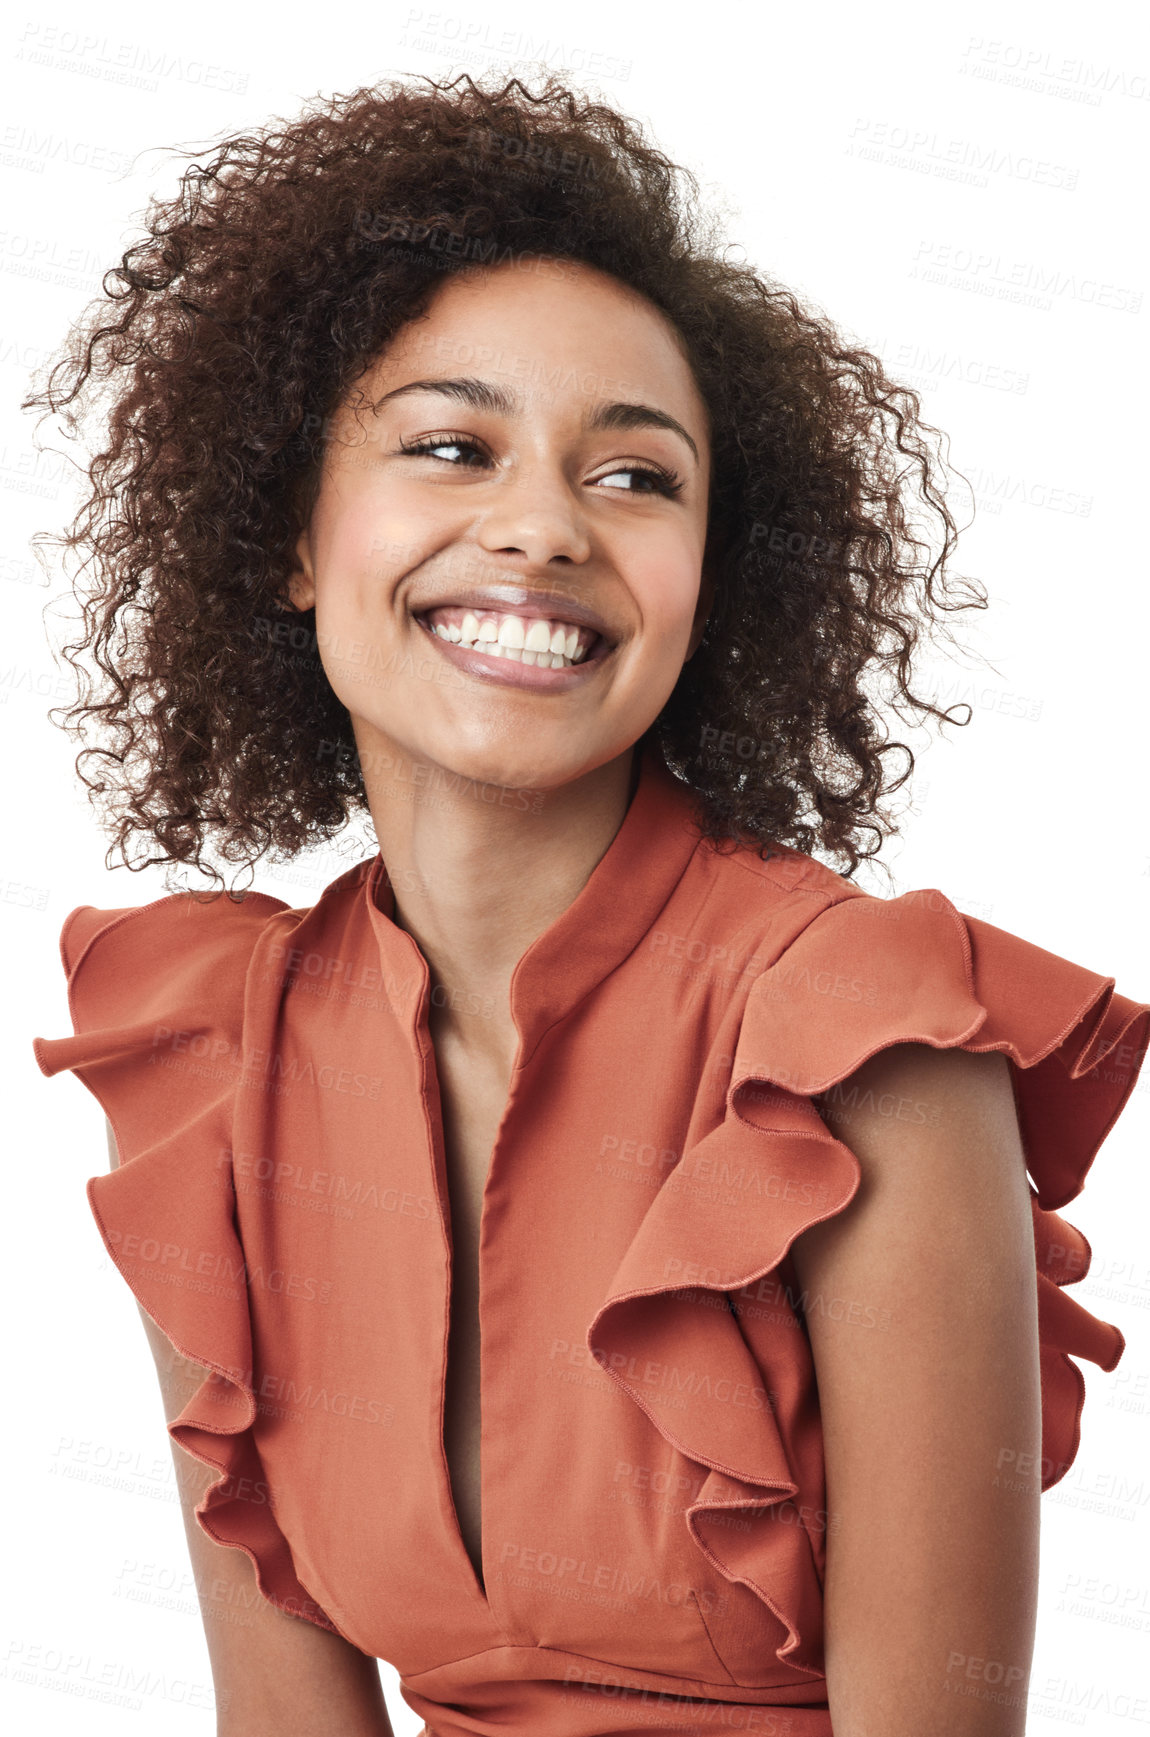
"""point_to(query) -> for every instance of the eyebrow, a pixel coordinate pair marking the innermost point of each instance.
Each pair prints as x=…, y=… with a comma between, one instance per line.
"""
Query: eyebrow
x=482, y=395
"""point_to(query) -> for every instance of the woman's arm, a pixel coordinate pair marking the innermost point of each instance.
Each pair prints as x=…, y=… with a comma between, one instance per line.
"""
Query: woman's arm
x=273, y=1673
x=931, y=1419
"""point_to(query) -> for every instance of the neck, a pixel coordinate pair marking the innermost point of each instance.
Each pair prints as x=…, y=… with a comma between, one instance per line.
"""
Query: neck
x=478, y=872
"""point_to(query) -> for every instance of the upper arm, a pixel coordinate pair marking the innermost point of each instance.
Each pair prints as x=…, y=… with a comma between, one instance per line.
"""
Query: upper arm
x=932, y=1541
x=272, y=1671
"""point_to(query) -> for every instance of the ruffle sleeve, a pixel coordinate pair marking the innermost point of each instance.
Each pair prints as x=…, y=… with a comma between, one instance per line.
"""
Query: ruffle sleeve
x=862, y=975
x=156, y=994
x=914, y=970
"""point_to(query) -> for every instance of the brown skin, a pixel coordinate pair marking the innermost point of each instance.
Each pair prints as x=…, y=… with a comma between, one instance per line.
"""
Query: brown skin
x=928, y=1559
x=932, y=1540
x=553, y=505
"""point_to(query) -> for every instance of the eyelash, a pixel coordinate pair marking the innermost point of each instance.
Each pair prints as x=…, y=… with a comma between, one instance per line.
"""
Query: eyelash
x=665, y=482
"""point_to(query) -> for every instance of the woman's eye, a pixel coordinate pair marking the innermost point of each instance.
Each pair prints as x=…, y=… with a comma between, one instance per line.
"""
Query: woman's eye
x=644, y=481
x=466, y=454
x=448, y=448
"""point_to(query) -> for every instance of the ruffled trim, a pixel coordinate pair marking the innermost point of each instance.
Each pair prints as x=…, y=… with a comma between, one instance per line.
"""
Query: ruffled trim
x=156, y=993
x=864, y=974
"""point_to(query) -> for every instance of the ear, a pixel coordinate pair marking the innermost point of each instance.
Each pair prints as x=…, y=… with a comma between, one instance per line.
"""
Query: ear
x=702, y=611
x=301, y=584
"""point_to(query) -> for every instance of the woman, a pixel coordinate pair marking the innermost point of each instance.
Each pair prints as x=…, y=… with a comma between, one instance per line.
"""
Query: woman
x=593, y=1241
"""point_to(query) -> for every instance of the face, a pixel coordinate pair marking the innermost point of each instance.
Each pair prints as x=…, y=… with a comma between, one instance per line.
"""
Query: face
x=505, y=554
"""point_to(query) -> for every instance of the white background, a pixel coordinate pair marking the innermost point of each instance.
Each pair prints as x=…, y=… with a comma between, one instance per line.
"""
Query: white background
x=902, y=168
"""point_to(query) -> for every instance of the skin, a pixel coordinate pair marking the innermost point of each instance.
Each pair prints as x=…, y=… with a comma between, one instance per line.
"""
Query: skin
x=549, y=501
x=928, y=1558
x=553, y=504
x=932, y=1535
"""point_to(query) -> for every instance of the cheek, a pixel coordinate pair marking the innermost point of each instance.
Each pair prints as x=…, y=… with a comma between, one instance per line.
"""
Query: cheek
x=358, y=556
x=369, y=536
x=664, y=581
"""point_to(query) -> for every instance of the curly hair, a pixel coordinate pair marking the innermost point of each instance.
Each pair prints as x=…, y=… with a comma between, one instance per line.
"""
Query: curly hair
x=226, y=338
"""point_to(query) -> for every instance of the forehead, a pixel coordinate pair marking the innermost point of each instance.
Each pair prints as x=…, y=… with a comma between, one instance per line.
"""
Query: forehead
x=550, y=330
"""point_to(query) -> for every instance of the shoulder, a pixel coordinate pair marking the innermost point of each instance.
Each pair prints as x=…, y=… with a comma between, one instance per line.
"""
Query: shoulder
x=181, y=974
x=765, y=880
x=189, y=924
x=175, y=962
x=749, y=903
x=838, y=975
x=860, y=976
x=157, y=994
x=928, y=1060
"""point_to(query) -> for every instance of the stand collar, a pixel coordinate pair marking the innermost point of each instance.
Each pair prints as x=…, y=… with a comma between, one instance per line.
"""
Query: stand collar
x=617, y=906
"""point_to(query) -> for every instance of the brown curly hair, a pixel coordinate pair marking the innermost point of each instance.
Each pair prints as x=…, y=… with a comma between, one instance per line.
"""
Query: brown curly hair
x=228, y=335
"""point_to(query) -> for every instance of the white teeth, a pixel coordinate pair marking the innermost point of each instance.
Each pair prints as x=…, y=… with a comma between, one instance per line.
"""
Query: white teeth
x=544, y=659
x=534, y=642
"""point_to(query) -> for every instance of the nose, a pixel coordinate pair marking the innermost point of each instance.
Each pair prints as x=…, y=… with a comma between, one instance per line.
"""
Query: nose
x=533, y=513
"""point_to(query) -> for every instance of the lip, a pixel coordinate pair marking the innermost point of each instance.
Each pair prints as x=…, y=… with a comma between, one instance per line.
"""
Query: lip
x=530, y=602
x=507, y=672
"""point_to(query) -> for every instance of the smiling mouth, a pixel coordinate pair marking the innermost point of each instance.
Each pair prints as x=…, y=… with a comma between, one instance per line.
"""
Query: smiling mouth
x=528, y=639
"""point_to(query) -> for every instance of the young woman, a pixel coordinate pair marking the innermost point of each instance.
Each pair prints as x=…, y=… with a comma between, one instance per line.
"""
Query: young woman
x=588, y=1253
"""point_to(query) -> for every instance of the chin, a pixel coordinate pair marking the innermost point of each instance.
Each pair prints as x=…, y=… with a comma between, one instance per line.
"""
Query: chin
x=525, y=772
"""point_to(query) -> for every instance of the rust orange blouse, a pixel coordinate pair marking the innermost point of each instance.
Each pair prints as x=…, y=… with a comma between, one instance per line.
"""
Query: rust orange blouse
x=652, y=1471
